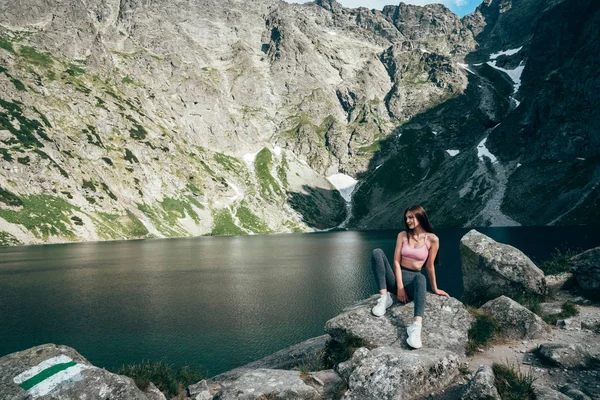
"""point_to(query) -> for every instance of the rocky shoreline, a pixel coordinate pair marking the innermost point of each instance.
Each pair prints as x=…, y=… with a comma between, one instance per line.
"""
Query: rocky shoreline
x=365, y=357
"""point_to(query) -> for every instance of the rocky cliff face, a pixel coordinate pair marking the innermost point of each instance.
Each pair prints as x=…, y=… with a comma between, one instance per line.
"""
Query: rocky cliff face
x=122, y=119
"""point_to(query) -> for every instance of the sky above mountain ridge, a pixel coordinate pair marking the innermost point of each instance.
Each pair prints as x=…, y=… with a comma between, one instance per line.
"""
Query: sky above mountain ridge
x=459, y=7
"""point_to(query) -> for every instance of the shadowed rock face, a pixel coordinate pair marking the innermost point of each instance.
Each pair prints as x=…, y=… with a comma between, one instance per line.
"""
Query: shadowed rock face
x=60, y=372
x=586, y=270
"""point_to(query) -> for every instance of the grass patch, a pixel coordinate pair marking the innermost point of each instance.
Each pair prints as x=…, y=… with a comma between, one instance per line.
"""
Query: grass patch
x=35, y=57
x=77, y=220
x=92, y=134
x=6, y=239
x=167, y=379
x=512, y=384
x=6, y=154
x=75, y=70
x=262, y=167
x=164, y=220
x=230, y=163
x=27, y=127
x=484, y=329
x=251, y=221
x=88, y=185
x=337, y=352
x=18, y=84
x=569, y=309
x=43, y=215
x=24, y=160
x=282, y=169
x=6, y=45
x=111, y=226
x=129, y=156
x=224, y=224
x=315, y=362
x=138, y=132
x=178, y=208
x=107, y=160
x=108, y=191
x=559, y=262
x=9, y=198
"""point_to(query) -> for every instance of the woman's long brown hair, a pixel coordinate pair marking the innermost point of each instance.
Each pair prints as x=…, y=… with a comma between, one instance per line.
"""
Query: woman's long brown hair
x=421, y=215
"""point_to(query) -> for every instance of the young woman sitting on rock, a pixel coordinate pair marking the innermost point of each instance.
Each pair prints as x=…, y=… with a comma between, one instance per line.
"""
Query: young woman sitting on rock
x=415, y=247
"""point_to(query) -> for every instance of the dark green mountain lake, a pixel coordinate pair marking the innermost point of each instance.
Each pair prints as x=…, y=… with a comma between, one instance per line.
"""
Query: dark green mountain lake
x=212, y=302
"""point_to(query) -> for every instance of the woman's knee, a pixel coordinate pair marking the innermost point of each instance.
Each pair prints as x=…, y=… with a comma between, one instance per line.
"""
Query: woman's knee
x=378, y=253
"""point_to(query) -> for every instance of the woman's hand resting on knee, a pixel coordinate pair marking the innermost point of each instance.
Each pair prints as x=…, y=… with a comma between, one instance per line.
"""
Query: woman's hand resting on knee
x=402, y=295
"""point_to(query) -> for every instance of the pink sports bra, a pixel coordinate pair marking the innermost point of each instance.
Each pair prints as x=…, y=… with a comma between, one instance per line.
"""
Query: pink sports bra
x=419, y=254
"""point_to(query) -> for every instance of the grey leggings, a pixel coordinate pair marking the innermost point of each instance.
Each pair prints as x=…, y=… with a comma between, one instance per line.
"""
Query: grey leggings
x=414, y=282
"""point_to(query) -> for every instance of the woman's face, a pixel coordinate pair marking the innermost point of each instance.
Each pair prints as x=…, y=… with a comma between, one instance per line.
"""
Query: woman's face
x=411, y=220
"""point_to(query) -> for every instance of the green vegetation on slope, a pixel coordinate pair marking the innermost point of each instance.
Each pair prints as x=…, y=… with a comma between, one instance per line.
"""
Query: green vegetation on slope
x=168, y=380
x=6, y=239
x=43, y=215
x=224, y=225
x=35, y=57
x=251, y=221
x=262, y=167
x=112, y=226
x=27, y=127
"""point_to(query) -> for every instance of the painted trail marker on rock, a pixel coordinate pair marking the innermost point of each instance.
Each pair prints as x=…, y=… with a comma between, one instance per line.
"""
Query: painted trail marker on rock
x=47, y=375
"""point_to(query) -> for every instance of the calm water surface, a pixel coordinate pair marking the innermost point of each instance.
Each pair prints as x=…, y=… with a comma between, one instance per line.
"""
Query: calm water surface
x=214, y=302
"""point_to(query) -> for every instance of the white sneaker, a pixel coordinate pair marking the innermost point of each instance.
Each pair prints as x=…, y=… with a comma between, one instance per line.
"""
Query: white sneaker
x=414, y=336
x=384, y=302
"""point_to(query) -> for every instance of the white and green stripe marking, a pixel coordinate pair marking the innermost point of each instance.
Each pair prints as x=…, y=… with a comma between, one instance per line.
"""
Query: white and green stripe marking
x=47, y=375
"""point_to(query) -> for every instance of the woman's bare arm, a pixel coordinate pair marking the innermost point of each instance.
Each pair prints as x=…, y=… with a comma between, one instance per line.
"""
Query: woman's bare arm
x=430, y=267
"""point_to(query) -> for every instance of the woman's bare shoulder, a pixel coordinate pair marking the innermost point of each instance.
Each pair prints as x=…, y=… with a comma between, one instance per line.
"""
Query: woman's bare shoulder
x=433, y=238
x=402, y=235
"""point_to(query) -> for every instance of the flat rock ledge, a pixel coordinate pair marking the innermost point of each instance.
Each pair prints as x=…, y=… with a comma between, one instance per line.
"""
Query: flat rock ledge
x=393, y=373
x=516, y=321
x=291, y=357
x=268, y=383
x=496, y=269
x=445, y=326
x=59, y=372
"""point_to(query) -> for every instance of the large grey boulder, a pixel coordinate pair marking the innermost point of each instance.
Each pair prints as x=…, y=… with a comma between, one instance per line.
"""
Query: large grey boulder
x=268, y=383
x=493, y=269
x=572, y=356
x=59, y=372
x=445, y=324
x=393, y=373
x=586, y=269
x=516, y=321
x=482, y=386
